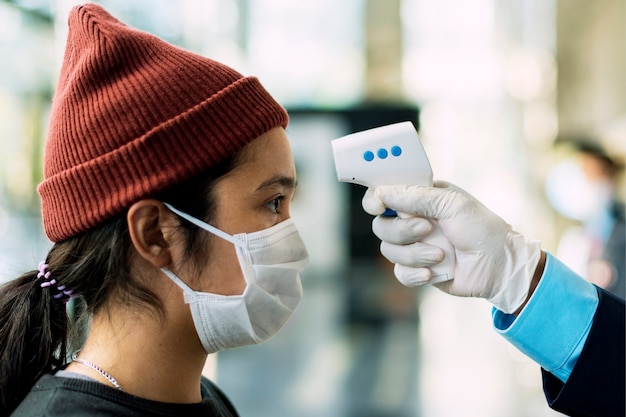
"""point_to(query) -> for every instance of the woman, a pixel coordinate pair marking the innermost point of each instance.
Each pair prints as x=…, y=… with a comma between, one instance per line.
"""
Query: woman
x=166, y=192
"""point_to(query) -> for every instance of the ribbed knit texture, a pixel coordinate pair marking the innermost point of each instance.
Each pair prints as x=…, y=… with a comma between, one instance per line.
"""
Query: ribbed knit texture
x=133, y=115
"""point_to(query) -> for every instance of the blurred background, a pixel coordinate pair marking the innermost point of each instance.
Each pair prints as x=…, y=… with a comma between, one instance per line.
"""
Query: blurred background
x=522, y=103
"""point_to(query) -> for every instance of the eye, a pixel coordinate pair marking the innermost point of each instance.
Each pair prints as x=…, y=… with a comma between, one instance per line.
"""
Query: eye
x=274, y=205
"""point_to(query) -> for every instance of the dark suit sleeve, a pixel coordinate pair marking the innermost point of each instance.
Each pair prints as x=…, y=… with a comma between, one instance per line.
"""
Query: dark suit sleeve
x=596, y=384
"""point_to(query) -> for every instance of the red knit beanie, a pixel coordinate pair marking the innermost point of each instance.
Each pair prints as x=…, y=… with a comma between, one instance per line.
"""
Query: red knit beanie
x=133, y=115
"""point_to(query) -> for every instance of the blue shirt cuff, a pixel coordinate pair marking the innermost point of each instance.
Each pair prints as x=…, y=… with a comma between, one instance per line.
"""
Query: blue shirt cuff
x=554, y=325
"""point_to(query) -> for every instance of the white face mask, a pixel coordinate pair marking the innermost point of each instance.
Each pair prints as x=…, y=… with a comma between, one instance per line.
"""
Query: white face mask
x=271, y=261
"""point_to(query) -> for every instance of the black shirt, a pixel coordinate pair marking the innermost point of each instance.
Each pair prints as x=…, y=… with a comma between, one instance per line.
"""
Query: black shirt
x=54, y=396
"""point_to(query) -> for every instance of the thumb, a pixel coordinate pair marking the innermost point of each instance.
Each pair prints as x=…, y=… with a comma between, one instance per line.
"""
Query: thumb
x=431, y=202
x=371, y=204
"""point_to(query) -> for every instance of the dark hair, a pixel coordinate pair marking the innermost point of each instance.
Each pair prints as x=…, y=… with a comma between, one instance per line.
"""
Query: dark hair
x=36, y=334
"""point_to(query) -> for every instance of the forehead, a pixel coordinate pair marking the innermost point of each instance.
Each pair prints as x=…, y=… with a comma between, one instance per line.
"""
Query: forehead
x=270, y=151
x=264, y=166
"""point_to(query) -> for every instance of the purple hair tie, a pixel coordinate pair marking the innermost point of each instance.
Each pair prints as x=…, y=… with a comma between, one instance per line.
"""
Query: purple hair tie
x=62, y=290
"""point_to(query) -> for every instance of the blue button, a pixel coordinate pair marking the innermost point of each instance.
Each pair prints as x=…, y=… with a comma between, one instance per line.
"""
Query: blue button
x=396, y=151
x=368, y=156
x=382, y=153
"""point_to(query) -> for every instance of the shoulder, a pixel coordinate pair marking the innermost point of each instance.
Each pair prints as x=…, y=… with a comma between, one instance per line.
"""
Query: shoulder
x=54, y=396
x=50, y=396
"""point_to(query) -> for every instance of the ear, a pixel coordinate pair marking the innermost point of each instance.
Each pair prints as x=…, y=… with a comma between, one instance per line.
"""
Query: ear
x=152, y=231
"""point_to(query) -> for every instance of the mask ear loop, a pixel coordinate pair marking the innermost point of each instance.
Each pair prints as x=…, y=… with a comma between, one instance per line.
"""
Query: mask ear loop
x=241, y=243
x=207, y=227
x=186, y=289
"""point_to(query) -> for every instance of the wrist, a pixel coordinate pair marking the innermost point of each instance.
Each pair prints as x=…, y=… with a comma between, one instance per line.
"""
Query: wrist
x=534, y=282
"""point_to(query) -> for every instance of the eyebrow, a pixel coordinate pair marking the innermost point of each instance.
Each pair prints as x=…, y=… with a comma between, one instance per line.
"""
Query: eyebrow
x=284, y=181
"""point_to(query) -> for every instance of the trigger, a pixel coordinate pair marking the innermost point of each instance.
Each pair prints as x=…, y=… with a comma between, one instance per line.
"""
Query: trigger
x=389, y=213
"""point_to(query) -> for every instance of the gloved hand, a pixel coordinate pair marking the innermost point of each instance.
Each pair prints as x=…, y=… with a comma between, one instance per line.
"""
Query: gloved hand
x=492, y=261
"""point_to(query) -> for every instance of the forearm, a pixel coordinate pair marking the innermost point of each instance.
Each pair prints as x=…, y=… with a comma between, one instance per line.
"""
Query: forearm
x=553, y=325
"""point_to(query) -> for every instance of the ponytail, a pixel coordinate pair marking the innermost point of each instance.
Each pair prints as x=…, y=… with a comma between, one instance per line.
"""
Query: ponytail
x=33, y=337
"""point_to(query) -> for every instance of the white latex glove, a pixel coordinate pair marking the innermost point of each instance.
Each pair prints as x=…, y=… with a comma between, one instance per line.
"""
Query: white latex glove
x=492, y=261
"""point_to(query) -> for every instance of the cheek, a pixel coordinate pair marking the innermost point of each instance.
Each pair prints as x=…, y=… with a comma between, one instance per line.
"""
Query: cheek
x=222, y=273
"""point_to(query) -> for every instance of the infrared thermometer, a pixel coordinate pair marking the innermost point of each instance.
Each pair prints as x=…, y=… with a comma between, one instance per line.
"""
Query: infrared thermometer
x=392, y=155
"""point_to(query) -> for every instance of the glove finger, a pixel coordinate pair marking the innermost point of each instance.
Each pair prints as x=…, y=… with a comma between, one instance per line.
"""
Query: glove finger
x=412, y=277
x=415, y=255
x=401, y=231
x=420, y=201
x=372, y=204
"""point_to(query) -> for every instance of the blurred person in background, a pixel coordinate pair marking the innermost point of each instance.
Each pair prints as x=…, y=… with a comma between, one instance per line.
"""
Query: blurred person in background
x=569, y=326
x=148, y=144
x=584, y=187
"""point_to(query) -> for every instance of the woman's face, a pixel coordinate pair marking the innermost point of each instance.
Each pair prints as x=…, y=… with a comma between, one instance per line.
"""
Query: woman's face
x=255, y=195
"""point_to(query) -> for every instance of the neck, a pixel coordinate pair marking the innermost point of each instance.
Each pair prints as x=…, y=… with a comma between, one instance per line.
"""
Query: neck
x=150, y=356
